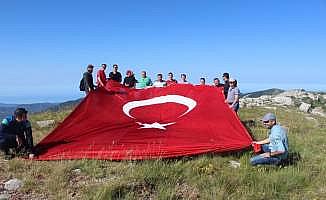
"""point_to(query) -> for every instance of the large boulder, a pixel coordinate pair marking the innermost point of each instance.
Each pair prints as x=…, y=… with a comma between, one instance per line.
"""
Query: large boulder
x=304, y=107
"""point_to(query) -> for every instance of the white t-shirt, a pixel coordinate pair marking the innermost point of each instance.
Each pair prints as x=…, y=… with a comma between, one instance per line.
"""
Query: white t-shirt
x=159, y=84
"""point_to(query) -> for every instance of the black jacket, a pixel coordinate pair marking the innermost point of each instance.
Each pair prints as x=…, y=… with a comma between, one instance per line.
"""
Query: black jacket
x=130, y=81
x=226, y=88
x=88, y=81
x=116, y=77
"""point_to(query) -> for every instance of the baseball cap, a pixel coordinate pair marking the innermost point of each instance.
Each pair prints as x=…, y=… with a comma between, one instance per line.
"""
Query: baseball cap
x=268, y=116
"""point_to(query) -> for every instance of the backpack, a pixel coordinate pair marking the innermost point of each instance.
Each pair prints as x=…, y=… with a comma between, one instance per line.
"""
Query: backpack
x=7, y=120
x=82, y=85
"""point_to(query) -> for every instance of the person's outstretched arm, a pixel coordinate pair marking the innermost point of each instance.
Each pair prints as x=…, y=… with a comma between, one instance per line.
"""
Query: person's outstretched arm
x=266, y=141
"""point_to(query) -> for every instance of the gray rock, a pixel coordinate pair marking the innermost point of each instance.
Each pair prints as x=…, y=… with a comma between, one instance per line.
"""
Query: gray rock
x=305, y=107
x=313, y=96
x=13, y=184
x=4, y=196
x=45, y=123
x=77, y=171
x=324, y=96
x=293, y=93
x=286, y=101
x=318, y=111
x=234, y=164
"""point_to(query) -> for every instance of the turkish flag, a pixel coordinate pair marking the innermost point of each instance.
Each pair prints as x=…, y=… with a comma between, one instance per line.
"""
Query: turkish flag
x=123, y=123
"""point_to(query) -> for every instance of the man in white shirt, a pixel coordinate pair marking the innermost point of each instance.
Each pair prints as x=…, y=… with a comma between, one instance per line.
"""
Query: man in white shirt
x=159, y=82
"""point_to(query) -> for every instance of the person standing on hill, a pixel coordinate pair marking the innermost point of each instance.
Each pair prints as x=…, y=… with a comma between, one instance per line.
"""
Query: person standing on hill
x=101, y=76
x=170, y=80
x=159, y=82
x=144, y=81
x=217, y=83
x=226, y=78
x=233, y=95
x=16, y=134
x=130, y=80
x=88, y=80
x=115, y=75
x=202, y=81
x=275, y=148
x=183, y=79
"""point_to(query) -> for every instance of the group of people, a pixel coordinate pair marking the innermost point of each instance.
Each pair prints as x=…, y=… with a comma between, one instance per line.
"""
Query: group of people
x=274, y=149
x=16, y=130
x=230, y=88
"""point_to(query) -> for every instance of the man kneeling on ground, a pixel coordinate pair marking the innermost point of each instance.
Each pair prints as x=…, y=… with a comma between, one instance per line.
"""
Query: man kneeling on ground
x=16, y=134
x=275, y=147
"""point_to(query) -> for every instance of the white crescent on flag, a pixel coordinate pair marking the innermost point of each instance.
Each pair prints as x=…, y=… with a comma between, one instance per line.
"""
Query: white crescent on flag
x=190, y=103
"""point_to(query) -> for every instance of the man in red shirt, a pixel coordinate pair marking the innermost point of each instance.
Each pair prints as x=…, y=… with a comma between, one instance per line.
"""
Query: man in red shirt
x=170, y=80
x=101, y=76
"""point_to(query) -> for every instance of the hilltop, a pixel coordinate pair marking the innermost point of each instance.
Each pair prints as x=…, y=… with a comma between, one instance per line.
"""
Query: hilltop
x=273, y=91
x=200, y=177
x=299, y=99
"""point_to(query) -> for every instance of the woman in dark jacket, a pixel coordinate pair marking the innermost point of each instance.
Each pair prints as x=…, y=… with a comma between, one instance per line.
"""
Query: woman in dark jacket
x=130, y=80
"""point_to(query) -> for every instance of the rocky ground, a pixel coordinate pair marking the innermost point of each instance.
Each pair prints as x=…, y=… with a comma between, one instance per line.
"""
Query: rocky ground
x=308, y=102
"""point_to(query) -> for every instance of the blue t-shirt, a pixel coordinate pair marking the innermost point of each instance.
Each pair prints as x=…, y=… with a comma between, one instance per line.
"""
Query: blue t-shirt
x=278, y=140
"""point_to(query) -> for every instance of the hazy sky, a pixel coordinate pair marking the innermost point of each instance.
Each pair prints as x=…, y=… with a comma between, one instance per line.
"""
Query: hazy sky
x=46, y=45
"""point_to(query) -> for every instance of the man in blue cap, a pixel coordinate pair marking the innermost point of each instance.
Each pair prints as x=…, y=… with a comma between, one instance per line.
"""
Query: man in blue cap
x=275, y=148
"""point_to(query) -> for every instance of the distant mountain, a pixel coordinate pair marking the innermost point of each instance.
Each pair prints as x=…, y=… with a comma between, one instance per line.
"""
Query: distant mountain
x=8, y=109
x=4, y=105
x=273, y=91
x=64, y=105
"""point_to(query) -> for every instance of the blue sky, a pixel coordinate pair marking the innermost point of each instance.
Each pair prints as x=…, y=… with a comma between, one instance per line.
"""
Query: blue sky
x=46, y=45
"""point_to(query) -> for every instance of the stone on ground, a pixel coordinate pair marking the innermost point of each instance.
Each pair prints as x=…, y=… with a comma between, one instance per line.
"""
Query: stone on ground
x=13, y=184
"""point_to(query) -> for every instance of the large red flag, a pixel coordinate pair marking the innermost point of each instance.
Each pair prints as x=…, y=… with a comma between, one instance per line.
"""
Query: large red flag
x=147, y=123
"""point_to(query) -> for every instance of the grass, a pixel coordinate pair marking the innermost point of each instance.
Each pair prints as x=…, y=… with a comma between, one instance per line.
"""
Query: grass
x=199, y=177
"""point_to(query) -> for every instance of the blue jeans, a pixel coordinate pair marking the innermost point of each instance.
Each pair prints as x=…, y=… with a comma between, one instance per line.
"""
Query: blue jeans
x=260, y=160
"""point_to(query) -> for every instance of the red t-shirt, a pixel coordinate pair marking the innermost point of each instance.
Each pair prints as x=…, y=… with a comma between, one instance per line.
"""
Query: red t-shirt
x=101, y=74
x=171, y=82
